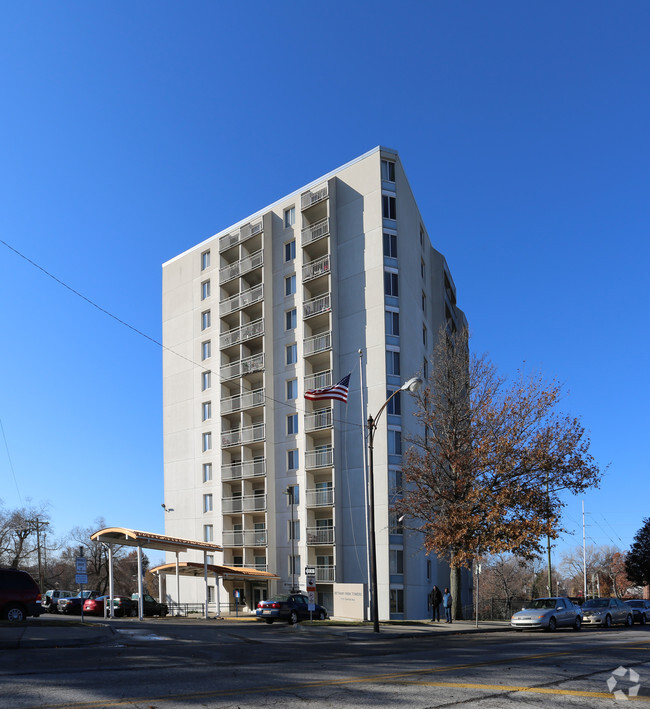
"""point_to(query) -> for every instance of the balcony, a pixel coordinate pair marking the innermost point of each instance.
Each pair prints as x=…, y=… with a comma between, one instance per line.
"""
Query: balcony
x=320, y=497
x=247, y=469
x=319, y=380
x=241, y=300
x=317, y=343
x=244, y=233
x=315, y=231
x=320, y=458
x=247, y=503
x=311, y=197
x=316, y=306
x=250, y=434
x=318, y=420
x=249, y=263
x=325, y=574
x=323, y=536
x=248, y=365
x=246, y=400
x=252, y=538
x=241, y=334
x=317, y=267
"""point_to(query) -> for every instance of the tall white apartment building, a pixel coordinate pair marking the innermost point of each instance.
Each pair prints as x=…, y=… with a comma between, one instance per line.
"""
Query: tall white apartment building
x=338, y=277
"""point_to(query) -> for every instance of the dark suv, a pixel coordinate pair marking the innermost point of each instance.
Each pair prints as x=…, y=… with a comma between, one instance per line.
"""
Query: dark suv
x=19, y=595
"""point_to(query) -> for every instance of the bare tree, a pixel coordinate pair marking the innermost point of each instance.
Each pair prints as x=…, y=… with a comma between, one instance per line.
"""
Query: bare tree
x=485, y=474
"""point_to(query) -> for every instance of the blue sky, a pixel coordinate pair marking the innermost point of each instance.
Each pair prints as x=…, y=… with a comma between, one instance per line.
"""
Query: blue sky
x=133, y=130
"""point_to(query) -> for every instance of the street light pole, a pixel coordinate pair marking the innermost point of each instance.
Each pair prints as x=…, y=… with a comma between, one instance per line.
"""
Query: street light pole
x=411, y=385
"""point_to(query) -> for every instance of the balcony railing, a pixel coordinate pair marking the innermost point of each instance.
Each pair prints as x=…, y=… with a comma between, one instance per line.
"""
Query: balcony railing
x=319, y=380
x=254, y=328
x=313, y=196
x=241, y=300
x=232, y=270
x=320, y=497
x=242, y=401
x=320, y=535
x=318, y=420
x=316, y=306
x=318, y=267
x=317, y=343
x=247, y=538
x=250, y=434
x=320, y=458
x=325, y=574
x=315, y=231
x=247, y=503
x=247, y=469
x=244, y=233
x=243, y=367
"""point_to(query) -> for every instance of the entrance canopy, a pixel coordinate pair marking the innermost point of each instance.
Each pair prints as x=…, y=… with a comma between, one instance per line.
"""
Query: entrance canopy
x=230, y=573
x=149, y=540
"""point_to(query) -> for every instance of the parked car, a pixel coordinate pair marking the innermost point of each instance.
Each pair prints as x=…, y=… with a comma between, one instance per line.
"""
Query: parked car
x=549, y=614
x=606, y=612
x=640, y=610
x=150, y=605
x=72, y=604
x=20, y=595
x=291, y=607
x=122, y=605
x=51, y=598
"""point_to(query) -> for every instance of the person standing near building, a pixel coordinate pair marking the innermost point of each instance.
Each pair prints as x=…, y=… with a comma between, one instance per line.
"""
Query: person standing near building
x=447, y=603
x=435, y=598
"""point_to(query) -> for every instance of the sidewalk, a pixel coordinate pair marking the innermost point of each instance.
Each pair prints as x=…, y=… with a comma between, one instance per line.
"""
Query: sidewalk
x=46, y=633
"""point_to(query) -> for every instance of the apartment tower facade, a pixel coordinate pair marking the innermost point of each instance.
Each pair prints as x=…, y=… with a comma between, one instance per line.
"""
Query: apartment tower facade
x=338, y=277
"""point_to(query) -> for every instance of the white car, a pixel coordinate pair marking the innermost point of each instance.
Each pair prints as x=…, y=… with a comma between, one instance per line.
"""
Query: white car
x=606, y=612
x=548, y=614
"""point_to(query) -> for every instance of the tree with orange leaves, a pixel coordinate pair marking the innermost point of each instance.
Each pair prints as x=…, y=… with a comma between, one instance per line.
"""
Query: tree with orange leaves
x=485, y=474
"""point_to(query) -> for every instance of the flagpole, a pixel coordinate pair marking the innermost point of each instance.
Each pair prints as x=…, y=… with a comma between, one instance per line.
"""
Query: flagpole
x=365, y=474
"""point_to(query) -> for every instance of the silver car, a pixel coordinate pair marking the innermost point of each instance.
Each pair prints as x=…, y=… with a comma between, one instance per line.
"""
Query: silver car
x=548, y=614
x=605, y=612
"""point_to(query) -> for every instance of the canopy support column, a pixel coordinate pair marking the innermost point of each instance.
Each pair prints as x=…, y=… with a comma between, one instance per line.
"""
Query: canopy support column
x=140, y=598
x=178, y=587
x=111, y=585
x=216, y=577
x=205, y=579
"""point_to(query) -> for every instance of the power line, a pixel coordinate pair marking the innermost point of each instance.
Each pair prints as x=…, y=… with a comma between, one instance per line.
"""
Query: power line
x=11, y=465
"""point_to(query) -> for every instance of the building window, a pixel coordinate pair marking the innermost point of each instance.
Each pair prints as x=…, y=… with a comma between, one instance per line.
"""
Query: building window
x=290, y=250
x=292, y=353
x=391, y=284
x=294, y=565
x=388, y=170
x=205, y=290
x=208, y=533
x=291, y=319
x=206, y=410
x=206, y=349
x=205, y=380
x=390, y=245
x=394, y=524
x=424, y=303
x=206, y=439
x=292, y=460
x=395, y=482
x=207, y=503
x=429, y=569
x=422, y=269
x=292, y=424
x=392, y=323
x=205, y=320
x=205, y=260
x=392, y=362
x=290, y=217
x=424, y=335
x=210, y=559
x=397, y=600
x=292, y=388
x=290, y=285
x=293, y=530
x=425, y=369
x=207, y=472
x=293, y=496
x=394, y=405
x=394, y=442
x=389, y=206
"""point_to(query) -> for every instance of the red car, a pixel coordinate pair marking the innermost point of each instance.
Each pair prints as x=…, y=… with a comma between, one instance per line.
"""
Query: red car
x=123, y=605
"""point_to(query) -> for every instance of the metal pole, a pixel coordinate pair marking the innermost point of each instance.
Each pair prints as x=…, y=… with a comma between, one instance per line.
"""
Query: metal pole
x=584, y=553
x=293, y=543
x=111, y=587
x=140, y=598
x=549, y=582
x=365, y=476
x=373, y=542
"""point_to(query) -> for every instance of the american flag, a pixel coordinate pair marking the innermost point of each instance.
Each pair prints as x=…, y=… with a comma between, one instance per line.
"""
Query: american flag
x=338, y=391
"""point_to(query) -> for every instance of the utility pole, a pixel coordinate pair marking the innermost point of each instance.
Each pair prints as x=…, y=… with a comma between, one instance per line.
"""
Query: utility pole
x=37, y=526
x=549, y=582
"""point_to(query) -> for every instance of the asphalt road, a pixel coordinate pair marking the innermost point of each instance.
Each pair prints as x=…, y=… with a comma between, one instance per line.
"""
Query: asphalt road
x=169, y=665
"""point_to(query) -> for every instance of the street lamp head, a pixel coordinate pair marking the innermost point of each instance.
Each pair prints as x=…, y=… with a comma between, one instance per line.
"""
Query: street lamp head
x=412, y=385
